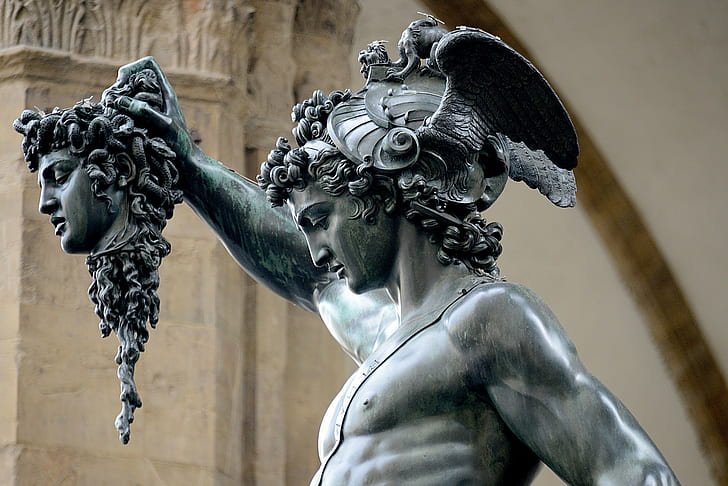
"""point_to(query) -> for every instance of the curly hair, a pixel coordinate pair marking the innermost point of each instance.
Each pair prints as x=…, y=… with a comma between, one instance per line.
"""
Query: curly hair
x=458, y=230
x=125, y=278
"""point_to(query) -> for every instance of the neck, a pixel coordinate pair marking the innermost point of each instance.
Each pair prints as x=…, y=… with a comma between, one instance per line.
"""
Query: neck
x=118, y=234
x=421, y=286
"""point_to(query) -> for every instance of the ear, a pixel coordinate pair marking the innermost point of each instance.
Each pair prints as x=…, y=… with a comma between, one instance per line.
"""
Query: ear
x=388, y=194
x=495, y=165
x=125, y=169
x=493, y=188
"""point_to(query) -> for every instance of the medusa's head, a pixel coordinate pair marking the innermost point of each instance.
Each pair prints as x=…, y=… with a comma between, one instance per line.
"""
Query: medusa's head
x=103, y=180
x=109, y=190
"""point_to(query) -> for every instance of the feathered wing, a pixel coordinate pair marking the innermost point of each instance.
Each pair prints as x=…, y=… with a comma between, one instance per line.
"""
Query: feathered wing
x=538, y=172
x=493, y=90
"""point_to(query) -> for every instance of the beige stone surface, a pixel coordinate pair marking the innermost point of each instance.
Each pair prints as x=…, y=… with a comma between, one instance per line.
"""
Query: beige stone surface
x=8, y=463
x=69, y=467
x=270, y=388
x=311, y=355
x=322, y=38
x=271, y=64
x=8, y=381
x=11, y=184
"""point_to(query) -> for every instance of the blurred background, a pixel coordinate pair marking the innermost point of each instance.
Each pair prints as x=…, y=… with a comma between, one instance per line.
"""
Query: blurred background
x=235, y=381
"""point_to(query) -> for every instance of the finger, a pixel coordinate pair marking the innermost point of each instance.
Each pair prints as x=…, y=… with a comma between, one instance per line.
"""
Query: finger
x=170, y=97
x=171, y=104
x=125, y=72
x=142, y=111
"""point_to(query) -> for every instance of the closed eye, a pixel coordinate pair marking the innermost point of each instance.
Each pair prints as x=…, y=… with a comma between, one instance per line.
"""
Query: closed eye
x=315, y=216
x=62, y=178
x=58, y=171
x=321, y=222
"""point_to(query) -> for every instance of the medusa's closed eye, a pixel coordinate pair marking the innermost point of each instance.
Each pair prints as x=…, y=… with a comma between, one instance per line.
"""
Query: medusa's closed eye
x=57, y=172
x=61, y=177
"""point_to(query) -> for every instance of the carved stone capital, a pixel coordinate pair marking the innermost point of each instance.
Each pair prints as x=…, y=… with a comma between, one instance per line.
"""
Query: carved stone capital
x=205, y=36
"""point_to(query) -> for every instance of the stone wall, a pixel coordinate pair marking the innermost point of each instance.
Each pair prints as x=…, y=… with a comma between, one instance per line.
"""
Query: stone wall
x=226, y=379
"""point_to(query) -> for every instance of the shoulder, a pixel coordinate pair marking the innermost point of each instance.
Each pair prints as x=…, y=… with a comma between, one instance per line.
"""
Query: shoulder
x=510, y=330
x=500, y=308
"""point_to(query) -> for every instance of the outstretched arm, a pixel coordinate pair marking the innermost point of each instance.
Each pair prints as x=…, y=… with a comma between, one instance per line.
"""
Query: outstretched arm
x=266, y=243
x=530, y=371
x=263, y=240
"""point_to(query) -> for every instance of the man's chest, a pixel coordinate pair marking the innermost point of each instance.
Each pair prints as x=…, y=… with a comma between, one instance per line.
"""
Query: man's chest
x=425, y=377
x=418, y=399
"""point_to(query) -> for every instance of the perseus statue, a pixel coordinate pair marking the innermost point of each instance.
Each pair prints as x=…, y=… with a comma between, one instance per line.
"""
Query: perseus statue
x=377, y=225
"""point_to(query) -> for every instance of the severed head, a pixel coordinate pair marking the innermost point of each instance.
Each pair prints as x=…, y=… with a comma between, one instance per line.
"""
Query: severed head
x=109, y=190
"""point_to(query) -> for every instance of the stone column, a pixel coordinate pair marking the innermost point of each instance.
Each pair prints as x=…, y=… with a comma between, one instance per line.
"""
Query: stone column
x=271, y=96
x=12, y=180
x=298, y=366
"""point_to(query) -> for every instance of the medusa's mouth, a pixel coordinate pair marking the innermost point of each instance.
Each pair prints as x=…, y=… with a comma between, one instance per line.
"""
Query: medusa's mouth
x=59, y=224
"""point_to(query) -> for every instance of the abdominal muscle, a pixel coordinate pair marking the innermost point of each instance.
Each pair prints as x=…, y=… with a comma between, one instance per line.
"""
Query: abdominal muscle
x=413, y=422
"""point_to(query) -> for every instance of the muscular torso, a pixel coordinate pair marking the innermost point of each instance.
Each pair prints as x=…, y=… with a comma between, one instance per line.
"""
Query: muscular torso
x=416, y=420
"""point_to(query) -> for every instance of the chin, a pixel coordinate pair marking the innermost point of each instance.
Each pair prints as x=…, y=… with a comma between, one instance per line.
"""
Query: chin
x=74, y=251
x=73, y=248
x=359, y=287
x=354, y=286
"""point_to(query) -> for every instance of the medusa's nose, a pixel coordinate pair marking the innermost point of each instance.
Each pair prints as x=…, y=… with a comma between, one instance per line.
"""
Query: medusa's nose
x=48, y=201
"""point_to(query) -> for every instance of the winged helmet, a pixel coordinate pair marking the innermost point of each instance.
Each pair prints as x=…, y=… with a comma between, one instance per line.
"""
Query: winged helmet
x=477, y=110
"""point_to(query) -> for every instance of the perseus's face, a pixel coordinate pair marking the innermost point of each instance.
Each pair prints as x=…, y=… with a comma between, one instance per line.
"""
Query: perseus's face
x=84, y=222
x=364, y=254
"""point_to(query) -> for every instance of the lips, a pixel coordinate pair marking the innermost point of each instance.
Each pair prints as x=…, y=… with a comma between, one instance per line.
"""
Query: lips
x=338, y=269
x=59, y=224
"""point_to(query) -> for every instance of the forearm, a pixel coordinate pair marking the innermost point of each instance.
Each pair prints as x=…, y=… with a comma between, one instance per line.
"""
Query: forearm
x=644, y=473
x=583, y=433
x=263, y=240
x=625, y=454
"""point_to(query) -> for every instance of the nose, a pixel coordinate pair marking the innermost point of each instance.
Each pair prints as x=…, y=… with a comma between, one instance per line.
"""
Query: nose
x=320, y=254
x=48, y=201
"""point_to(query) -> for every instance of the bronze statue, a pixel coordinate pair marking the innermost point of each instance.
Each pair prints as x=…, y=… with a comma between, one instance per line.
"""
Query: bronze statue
x=109, y=190
x=418, y=42
x=376, y=225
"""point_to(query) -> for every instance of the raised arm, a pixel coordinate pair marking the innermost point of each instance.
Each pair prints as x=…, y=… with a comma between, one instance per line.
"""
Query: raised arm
x=264, y=241
x=530, y=371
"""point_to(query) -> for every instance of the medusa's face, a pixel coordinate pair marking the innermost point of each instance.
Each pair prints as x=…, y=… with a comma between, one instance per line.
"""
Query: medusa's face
x=362, y=253
x=84, y=222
